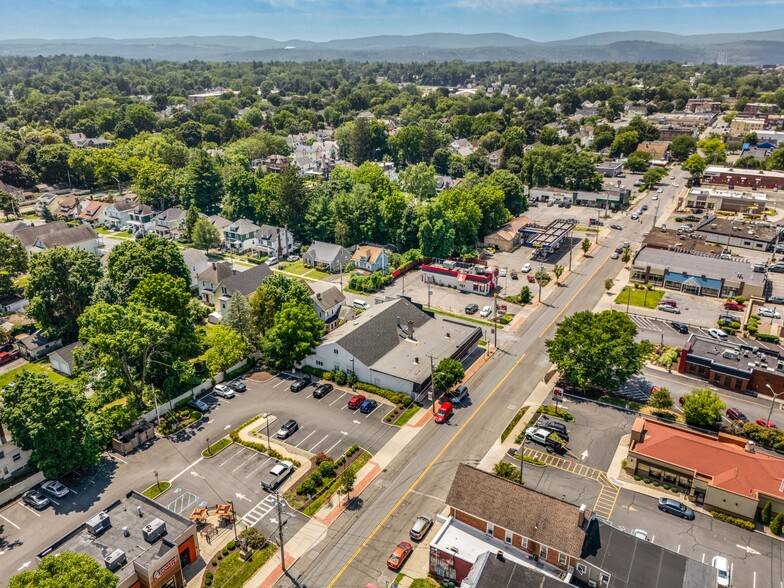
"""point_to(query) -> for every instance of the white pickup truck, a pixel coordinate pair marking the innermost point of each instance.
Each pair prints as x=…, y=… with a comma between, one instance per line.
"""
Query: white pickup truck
x=276, y=475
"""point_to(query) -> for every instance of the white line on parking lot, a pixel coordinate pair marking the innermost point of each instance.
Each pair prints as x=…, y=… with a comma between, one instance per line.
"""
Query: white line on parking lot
x=331, y=448
x=243, y=463
x=257, y=469
x=53, y=501
x=30, y=509
x=337, y=399
x=703, y=558
x=319, y=443
x=186, y=469
x=6, y=520
x=109, y=455
x=754, y=580
x=679, y=549
x=228, y=459
x=305, y=439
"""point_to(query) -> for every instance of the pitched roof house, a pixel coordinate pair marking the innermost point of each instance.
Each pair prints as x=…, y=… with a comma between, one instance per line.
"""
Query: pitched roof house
x=78, y=237
x=331, y=256
x=240, y=235
x=92, y=212
x=370, y=258
x=275, y=241
x=327, y=301
x=244, y=283
x=210, y=278
x=63, y=360
x=168, y=224
x=29, y=235
x=196, y=261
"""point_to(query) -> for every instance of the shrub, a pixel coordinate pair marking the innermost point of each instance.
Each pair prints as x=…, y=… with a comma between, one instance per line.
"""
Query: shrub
x=225, y=551
x=395, y=397
x=328, y=376
x=504, y=469
x=220, y=557
x=646, y=480
x=352, y=379
x=737, y=521
x=255, y=539
x=326, y=469
x=214, y=563
x=208, y=575
x=767, y=338
x=317, y=478
x=308, y=486
x=352, y=450
x=561, y=414
x=341, y=460
x=208, y=582
x=765, y=515
x=656, y=483
x=623, y=463
x=777, y=524
x=674, y=489
x=666, y=486
x=231, y=545
x=322, y=457
x=340, y=378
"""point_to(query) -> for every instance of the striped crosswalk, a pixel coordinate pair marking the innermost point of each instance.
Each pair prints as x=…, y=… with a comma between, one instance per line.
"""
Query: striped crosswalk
x=259, y=511
x=608, y=495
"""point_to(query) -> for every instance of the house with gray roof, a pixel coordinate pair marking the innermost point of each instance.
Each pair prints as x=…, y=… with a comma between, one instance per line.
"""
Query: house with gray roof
x=196, y=261
x=391, y=344
x=29, y=235
x=275, y=241
x=78, y=237
x=328, y=255
x=210, y=278
x=327, y=301
x=243, y=283
x=63, y=360
x=169, y=223
x=117, y=215
x=218, y=222
x=241, y=235
x=36, y=346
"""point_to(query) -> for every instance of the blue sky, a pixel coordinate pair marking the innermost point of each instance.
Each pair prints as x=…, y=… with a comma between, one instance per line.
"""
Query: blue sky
x=320, y=20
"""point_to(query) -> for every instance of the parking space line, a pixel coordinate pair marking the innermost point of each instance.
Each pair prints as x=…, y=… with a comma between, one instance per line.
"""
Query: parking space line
x=9, y=522
x=305, y=439
x=337, y=399
x=243, y=463
x=38, y=514
x=186, y=469
x=319, y=443
x=232, y=456
x=258, y=468
x=331, y=448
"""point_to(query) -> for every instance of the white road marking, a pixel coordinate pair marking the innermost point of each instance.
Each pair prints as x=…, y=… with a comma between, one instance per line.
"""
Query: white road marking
x=243, y=463
x=331, y=448
x=356, y=422
x=14, y=524
x=115, y=457
x=186, y=469
x=319, y=443
x=337, y=399
x=344, y=432
x=703, y=558
x=227, y=427
x=38, y=514
x=305, y=439
x=427, y=495
x=279, y=383
x=257, y=469
x=242, y=496
x=584, y=455
x=53, y=501
x=344, y=407
x=652, y=538
x=23, y=566
x=679, y=549
x=754, y=580
x=232, y=456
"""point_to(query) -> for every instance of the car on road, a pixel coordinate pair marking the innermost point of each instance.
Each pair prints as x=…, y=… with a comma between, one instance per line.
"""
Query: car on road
x=718, y=334
x=668, y=308
x=322, y=391
x=472, y=309
x=356, y=401
x=776, y=299
x=526, y=268
x=458, y=394
x=199, y=405
x=368, y=406
x=659, y=191
x=732, y=305
x=531, y=279
x=680, y=327
x=616, y=227
x=502, y=272
x=555, y=427
x=420, y=527
x=288, y=429
x=299, y=385
x=399, y=556
x=734, y=414
x=640, y=534
x=276, y=476
x=635, y=215
x=55, y=488
x=8, y=356
x=614, y=255
x=676, y=508
x=655, y=197
x=223, y=391
x=35, y=499
x=676, y=185
x=486, y=311
x=237, y=386
x=444, y=412
x=768, y=312
x=722, y=567
x=766, y=424
x=777, y=268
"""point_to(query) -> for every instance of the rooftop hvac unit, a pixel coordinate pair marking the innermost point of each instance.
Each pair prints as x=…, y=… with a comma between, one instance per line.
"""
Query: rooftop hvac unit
x=115, y=560
x=152, y=531
x=98, y=524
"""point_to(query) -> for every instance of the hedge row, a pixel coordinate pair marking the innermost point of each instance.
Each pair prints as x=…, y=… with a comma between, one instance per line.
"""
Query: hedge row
x=515, y=419
x=737, y=521
x=396, y=397
x=235, y=436
x=764, y=437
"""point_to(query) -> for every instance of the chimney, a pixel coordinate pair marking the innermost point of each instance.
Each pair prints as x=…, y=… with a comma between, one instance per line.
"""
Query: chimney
x=397, y=318
x=318, y=295
x=214, y=266
x=581, y=516
x=500, y=555
x=411, y=330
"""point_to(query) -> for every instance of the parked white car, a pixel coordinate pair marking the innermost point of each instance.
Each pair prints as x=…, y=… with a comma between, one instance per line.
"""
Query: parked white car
x=502, y=272
x=768, y=312
x=717, y=334
x=223, y=391
x=526, y=268
x=486, y=311
x=668, y=308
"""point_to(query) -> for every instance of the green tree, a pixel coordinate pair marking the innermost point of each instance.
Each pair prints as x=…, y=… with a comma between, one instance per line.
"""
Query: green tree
x=713, y=150
x=122, y=340
x=8, y=204
x=50, y=421
x=191, y=216
x=608, y=284
x=205, y=183
x=170, y=295
x=525, y=295
x=653, y=176
x=225, y=348
x=238, y=316
x=660, y=398
x=289, y=203
x=683, y=146
x=776, y=159
x=347, y=480
x=52, y=162
x=436, y=235
x=515, y=199
x=295, y=333
x=694, y=164
x=269, y=298
x=625, y=143
x=702, y=407
x=585, y=245
x=506, y=470
x=419, y=180
x=558, y=270
x=65, y=569
x=205, y=235
x=60, y=285
x=130, y=261
x=597, y=350
x=638, y=161
x=12, y=262
x=448, y=374
x=766, y=513
x=237, y=201
x=777, y=524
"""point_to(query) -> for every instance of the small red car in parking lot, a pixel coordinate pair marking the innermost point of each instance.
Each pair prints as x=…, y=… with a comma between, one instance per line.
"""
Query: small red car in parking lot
x=356, y=401
x=732, y=305
x=764, y=423
x=444, y=412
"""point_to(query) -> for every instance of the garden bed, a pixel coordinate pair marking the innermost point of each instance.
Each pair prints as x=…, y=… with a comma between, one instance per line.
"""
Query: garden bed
x=406, y=415
x=232, y=572
x=178, y=419
x=156, y=490
x=216, y=447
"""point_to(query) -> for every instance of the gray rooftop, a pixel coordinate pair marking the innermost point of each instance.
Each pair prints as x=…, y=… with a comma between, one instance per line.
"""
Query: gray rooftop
x=754, y=231
x=218, y=221
x=170, y=214
x=324, y=295
x=326, y=252
x=28, y=236
x=68, y=236
x=216, y=272
x=67, y=352
x=490, y=572
x=247, y=282
x=709, y=266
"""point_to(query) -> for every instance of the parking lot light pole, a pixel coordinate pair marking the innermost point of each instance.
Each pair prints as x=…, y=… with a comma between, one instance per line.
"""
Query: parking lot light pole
x=522, y=461
x=772, y=401
x=266, y=416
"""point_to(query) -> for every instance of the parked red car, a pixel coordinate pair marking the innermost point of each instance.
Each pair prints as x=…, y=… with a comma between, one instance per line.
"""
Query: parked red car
x=764, y=423
x=8, y=356
x=732, y=305
x=735, y=414
x=356, y=401
x=444, y=412
x=531, y=278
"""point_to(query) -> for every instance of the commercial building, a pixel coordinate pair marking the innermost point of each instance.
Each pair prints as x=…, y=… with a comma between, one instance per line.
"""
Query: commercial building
x=747, y=178
x=743, y=126
x=509, y=237
x=143, y=543
x=706, y=199
x=610, y=169
x=553, y=236
x=761, y=236
x=697, y=273
x=748, y=367
x=391, y=345
x=561, y=540
x=672, y=240
x=721, y=472
x=702, y=105
x=466, y=277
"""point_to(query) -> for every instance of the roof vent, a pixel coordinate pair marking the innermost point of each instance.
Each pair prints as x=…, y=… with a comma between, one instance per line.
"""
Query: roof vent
x=153, y=530
x=750, y=446
x=115, y=560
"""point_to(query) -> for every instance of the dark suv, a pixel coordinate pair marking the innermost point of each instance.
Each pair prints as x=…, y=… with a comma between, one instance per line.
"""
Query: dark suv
x=322, y=390
x=471, y=309
x=680, y=327
x=555, y=427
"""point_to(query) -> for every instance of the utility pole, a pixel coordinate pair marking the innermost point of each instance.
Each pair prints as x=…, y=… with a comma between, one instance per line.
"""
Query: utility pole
x=495, y=320
x=539, y=280
x=157, y=411
x=522, y=461
x=432, y=384
x=268, y=438
x=234, y=520
x=280, y=533
x=571, y=246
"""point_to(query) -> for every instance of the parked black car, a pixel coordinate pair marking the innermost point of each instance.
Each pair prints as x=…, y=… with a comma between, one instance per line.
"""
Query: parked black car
x=472, y=309
x=199, y=405
x=299, y=385
x=322, y=390
x=680, y=327
x=288, y=429
x=556, y=427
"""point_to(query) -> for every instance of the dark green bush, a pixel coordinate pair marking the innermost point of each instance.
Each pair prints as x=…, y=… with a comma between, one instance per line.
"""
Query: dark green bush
x=340, y=378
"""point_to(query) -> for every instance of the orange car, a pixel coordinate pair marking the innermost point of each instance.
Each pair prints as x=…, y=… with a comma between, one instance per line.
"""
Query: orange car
x=399, y=556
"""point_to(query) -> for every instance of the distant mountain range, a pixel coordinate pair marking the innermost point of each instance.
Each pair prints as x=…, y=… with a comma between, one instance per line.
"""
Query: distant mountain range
x=733, y=48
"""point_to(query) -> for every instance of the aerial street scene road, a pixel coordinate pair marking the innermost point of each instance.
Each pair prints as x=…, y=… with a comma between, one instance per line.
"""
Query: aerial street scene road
x=391, y=295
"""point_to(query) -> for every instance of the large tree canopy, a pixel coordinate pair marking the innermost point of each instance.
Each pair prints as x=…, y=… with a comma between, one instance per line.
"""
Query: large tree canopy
x=295, y=333
x=597, y=350
x=131, y=261
x=66, y=569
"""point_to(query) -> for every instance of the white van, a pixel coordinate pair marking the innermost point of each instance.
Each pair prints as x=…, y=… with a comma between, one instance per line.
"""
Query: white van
x=361, y=304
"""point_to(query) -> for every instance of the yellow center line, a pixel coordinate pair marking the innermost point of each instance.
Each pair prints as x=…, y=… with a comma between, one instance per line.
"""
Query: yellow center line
x=452, y=439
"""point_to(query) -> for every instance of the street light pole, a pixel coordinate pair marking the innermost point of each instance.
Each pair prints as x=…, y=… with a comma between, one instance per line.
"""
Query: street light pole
x=539, y=280
x=280, y=533
x=772, y=401
x=268, y=438
x=522, y=461
x=571, y=246
x=495, y=318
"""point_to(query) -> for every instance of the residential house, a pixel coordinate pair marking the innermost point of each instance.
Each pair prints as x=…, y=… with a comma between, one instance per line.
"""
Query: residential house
x=117, y=215
x=274, y=164
x=371, y=258
x=587, y=109
x=462, y=147
x=28, y=235
x=327, y=301
x=82, y=141
x=13, y=302
x=551, y=535
x=658, y=150
x=495, y=158
x=242, y=283
x=78, y=237
x=241, y=235
x=68, y=208
x=277, y=241
x=63, y=360
x=168, y=224
x=702, y=105
x=390, y=345
x=91, y=214
x=140, y=219
x=12, y=227
x=13, y=460
x=196, y=261
x=210, y=278
x=36, y=346
x=328, y=255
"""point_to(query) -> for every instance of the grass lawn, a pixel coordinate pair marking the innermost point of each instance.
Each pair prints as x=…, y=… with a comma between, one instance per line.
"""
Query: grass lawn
x=642, y=298
x=424, y=583
x=315, y=274
x=40, y=367
x=233, y=572
x=217, y=447
x=295, y=267
x=406, y=416
x=156, y=490
x=103, y=231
